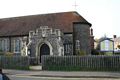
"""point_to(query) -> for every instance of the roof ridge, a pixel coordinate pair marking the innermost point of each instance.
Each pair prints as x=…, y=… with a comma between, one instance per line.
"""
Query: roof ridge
x=23, y=24
x=38, y=15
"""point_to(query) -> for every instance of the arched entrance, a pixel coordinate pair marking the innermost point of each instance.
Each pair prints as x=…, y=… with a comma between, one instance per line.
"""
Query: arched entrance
x=44, y=50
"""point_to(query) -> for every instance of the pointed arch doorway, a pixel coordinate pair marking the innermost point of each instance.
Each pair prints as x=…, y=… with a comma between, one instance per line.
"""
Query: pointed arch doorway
x=44, y=50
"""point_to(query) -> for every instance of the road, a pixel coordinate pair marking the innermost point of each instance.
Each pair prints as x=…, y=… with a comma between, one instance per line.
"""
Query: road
x=14, y=77
x=55, y=75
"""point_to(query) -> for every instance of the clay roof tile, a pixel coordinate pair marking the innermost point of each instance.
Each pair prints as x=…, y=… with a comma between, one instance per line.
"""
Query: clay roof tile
x=22, y=25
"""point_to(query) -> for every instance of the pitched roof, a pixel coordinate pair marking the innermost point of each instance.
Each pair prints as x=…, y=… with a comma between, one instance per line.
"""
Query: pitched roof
x=22, y=25
x=105, y=38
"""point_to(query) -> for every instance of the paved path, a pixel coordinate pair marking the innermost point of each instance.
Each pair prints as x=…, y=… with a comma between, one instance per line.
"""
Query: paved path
x=79, y=74
x=12, y=77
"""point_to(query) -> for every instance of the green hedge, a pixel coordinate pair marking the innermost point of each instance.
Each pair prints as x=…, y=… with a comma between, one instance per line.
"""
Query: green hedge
x=81, y=63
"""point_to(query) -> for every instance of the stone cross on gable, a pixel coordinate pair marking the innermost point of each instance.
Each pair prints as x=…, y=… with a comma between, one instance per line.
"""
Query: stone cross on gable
x=75, y=5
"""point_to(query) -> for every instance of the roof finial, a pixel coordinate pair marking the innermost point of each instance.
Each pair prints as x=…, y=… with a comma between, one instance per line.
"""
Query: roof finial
x=105, y=36
x=75, y=5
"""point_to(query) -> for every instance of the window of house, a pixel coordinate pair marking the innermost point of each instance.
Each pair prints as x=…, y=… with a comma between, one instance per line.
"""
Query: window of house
x=17, y=46
x=4, y=45
x=77, y=44
x=68, y=49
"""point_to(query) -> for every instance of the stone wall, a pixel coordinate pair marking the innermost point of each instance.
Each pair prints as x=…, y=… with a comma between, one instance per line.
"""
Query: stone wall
x=51, y=37
x=81, y=32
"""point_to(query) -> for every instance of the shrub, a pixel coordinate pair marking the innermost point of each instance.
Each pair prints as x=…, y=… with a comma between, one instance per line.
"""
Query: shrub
x=101, y=53
x=94, y=52
x=9, y=54
x=2, y=53
x=80, y=52
x=118, y=46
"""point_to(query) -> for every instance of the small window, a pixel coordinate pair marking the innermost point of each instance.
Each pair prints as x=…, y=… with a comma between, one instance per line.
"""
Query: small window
x=4, y=45
x=17, y=46
x=77, y=44
x=68, y=49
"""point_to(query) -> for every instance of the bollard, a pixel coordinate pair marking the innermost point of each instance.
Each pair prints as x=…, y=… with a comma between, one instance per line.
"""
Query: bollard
x=1, y=77
x=0, y=71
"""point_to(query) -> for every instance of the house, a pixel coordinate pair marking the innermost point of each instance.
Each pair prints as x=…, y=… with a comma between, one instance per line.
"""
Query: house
x=105, y=45
x=46, y=34
x=116, y=44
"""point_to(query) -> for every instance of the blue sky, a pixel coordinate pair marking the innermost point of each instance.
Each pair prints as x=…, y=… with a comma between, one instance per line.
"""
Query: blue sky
x=103, y=14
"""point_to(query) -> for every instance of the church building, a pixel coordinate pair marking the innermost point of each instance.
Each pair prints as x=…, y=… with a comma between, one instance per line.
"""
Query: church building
x=65, y=33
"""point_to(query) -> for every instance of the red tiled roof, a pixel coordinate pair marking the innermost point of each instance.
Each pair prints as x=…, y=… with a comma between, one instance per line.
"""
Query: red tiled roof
x=22, y=25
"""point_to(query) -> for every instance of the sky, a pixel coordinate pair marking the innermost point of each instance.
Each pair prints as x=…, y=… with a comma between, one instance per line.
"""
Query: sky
x=104, y=15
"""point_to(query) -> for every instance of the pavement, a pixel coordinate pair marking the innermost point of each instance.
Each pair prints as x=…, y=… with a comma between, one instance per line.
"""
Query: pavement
x=64, y=74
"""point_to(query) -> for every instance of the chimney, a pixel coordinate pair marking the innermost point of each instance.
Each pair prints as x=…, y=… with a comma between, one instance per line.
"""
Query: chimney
x=114, y=36
x=91, y=30
x=0, y=71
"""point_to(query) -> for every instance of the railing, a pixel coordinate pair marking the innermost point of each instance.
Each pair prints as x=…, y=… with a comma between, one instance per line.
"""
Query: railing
x=83, y=63
x=14, y=62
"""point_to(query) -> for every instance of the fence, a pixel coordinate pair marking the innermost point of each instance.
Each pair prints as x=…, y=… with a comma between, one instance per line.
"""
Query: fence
x=82, y=63
x=14, y=62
